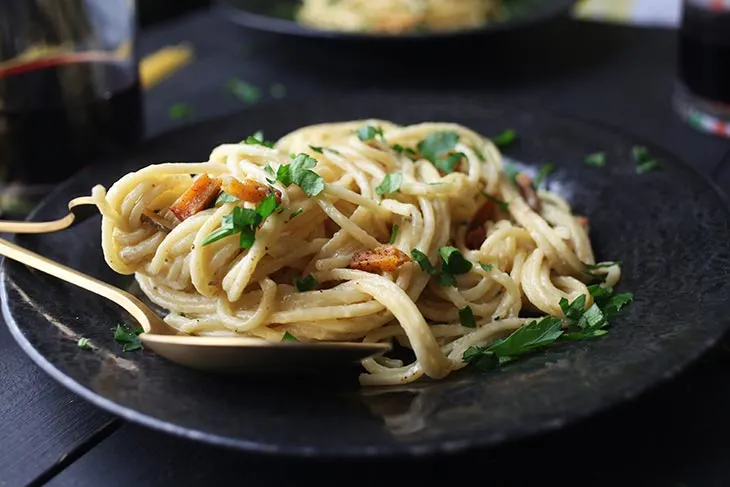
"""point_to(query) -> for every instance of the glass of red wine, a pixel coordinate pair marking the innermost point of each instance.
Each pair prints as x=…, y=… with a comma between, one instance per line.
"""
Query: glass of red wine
x=69, y=92
x=702, y=96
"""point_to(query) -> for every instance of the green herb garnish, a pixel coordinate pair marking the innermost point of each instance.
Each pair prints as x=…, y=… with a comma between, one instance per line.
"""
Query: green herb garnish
x=597, y=159
x=542, y=175
x=243, y=221
x=644, y=161
x=180, y=110
x=437, y=149
x=486, y=267
x=128, y=337
x=83, y=343
x=368, y=132
x=316, y=149
x=580, y=323
x=453, y=262
x=505, y=138
x=393, y=234
x=305, y=284
x=466, y=317
x=423, y=262
x=391, y=183
x=406, y=151
x=295, y=213
x=225, y=198
x=245, y=92
x=288, y=337
x=503, y=206
x=257, y=139
x=302, y=175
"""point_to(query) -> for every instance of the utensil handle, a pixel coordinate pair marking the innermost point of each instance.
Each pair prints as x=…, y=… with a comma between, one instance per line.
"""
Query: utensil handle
x=130, y=303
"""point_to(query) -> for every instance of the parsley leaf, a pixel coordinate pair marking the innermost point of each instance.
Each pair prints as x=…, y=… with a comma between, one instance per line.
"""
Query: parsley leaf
x=454, y=262
x=423, y=262
x=316, y=149
x=258, y=139
x=505, y=138
x=445, y=280
x=503, y=206
x=391, y=183
x=245, y=92
x=243, y=221
x=511, y=171
x=368, y=132
x=479, y=154
x=466, y=317
x=83, y=343
x=436, y=147
x=644, y=161
x=573, y=311
x=288, y=337
x=406, y=151
x=305, y=284
x=301, y=174
x=295, y=213
x=283, y=174
x=597, y=159
x=180, y=110
x=393, y=234
x=225, y=198
x=523, y=340
x=542, y=175
x=128, y=337
x=267, y=206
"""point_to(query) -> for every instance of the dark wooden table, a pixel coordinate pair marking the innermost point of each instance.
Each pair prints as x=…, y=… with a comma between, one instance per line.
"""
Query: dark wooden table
x=677, y=434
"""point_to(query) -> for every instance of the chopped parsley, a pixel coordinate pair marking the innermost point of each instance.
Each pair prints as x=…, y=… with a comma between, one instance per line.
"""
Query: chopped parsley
x=83, y=343
x=393, y=234
x=180, y=110
x=128, y=337
x=511, y=171
x=505, y=138
x=406, y=151
x=245, y=92
x=295, y=213
x=306, y=283
x=644, y=161
x=503, y=206
x=580, y=323
x=243, y=221
x=597, y=159
x=257, y=139
x=542, y=175
x=453, y=263
x=368, y=132
x=479, y=154
x=225, y=198
x=316, y=149
x=391, y=183
x=486, y=267
x=288, y=337
x=466, y=317
x=438, y=147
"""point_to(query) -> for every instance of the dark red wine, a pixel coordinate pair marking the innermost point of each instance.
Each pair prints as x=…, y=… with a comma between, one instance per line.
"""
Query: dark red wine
x=704, y=53
x=56, y=117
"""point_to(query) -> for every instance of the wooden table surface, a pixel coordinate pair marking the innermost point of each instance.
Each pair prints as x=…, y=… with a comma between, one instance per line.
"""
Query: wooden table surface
x=676, y=434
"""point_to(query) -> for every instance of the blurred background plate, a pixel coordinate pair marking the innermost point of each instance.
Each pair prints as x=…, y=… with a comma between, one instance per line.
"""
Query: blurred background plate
x=278, y=16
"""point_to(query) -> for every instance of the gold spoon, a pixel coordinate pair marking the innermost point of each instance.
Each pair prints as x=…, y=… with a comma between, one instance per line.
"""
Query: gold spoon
x=217, y=354
x=80, y=209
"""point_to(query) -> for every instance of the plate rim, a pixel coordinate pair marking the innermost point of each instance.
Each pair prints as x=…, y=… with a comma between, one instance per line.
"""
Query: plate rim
x=279, y=26
x=400, y=450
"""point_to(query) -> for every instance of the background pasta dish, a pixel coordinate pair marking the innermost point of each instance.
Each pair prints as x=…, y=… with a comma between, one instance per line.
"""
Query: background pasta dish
x=363, y=230
x=396, y=16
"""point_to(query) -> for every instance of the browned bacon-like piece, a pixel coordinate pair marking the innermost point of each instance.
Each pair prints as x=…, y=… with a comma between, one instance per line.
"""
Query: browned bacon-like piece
x=199, y=196
x=475, y=237
x=248, y=190
x=524, y=183
x=385, y=258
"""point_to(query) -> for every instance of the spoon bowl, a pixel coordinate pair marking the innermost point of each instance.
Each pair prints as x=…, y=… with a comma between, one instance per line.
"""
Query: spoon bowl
x=208, y=353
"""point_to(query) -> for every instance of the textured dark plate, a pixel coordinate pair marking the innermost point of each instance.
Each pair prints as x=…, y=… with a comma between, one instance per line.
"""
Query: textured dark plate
x=277, y=16
x=670, y=228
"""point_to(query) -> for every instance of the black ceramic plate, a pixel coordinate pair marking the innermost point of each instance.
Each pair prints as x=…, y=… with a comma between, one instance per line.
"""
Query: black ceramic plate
x=669, y=227
x=278, y=16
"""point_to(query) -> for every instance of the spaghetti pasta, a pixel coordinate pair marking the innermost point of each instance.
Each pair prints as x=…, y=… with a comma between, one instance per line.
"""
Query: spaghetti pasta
x=346, y=245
